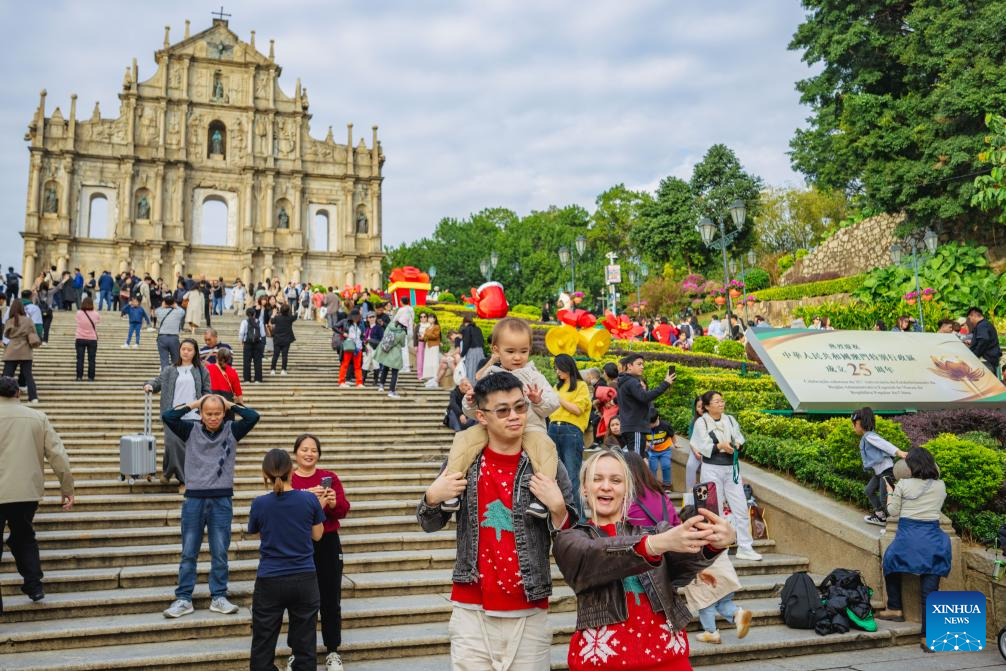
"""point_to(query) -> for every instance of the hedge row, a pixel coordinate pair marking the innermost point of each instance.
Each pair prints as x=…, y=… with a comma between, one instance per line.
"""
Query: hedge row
x=842, y=285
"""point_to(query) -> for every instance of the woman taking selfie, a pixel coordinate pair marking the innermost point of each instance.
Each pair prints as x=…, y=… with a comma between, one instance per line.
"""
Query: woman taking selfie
x=328, y=551
x=626, y=578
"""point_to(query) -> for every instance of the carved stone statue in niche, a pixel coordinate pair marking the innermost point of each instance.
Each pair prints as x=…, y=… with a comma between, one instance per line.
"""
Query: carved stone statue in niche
x=174, y=130
x=238, y=138
x=261, y=82
x=143, y=207
x=282, y=218
x=51, y=203
x=361, y=223
x=217, y=142
x=176, y=76
x=195, y=132
x=261, y=136
x=148, y=125
x=218, y=86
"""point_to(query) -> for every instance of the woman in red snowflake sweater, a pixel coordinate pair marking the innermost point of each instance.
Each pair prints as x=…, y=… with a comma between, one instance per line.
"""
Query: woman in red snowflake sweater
x=628, y=612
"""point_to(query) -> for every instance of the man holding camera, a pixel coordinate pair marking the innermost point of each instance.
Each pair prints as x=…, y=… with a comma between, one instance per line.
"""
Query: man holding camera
x=634, y=401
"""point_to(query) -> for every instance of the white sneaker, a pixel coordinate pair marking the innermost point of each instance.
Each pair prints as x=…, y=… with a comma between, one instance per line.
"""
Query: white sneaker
x=282, y=372
x=150, y=328
x=333, y=662
x=393, y=395
x=178, y=608
x=431, y=384
x=125, y=346
x=748, y=554
x=272, y=372
x=344, y=386
x=34, y=401
x=135, y=346
x=380, y=387
x=220, y=604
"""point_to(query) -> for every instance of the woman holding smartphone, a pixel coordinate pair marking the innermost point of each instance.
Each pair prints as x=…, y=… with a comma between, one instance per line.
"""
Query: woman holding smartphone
x=718, y=438
x=327, y=551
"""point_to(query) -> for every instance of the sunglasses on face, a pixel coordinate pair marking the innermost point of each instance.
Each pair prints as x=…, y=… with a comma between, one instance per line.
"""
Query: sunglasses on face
x=520, y=407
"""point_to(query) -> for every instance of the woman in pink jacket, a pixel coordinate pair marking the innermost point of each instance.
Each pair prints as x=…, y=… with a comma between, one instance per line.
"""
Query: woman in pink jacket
x=86, y=337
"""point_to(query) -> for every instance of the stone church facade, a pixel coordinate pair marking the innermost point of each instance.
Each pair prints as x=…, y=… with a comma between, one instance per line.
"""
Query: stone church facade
x=211, y=126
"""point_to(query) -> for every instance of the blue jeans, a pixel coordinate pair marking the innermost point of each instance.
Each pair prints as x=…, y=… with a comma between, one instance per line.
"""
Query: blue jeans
x=105, y=298
x=134, y=328
x=218, y=306
x=568, y=441
x=661, y=461
x=215, y=515
x=725, y=607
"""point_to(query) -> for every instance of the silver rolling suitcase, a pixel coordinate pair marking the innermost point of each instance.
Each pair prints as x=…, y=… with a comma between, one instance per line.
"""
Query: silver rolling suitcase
x=138, y=451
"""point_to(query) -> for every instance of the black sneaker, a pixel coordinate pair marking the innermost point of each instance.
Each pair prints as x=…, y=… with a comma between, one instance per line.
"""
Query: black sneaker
x=37, y=596
x=451, y=505
x=537, y=509
x=876, y=519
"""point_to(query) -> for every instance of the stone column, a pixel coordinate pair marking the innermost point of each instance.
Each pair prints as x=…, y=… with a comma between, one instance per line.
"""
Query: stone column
x=178, y=264
x=347, y=221
x=34, y=186
x=28, y=267
x=267, y=261
x=270, y=204
x=65, y=187
x=124, y=226
x=246, y=238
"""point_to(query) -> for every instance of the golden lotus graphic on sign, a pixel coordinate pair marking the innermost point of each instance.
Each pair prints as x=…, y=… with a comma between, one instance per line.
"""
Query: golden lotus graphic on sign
x=844, y=370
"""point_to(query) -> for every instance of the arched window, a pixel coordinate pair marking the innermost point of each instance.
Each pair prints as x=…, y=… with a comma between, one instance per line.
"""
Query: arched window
x=213, y=228
x=319, y=231
x=97, y=216
x=216, y=139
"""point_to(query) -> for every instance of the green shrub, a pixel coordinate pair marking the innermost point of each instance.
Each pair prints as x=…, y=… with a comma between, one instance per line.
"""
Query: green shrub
x=980, y=527
x=982, y=438
x=855, y=315
x=805, y=460
x=756, y=279
x=776, y=426
x=528, y=311
x=784, y=262
x=705, y=344
x=973, y=473
x=842, y=444
x=823, y=288
x=447, y=297
x=730, y=349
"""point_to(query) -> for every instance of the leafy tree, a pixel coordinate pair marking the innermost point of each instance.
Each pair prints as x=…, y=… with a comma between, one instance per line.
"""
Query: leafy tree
x=898, y=100
x=719, y=179
x=666, y=228
x=793, y=217
x=990, y=190
x=618, y=212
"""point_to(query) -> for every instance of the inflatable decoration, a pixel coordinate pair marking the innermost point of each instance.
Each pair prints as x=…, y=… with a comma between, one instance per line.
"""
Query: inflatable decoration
x=621, y=327
x=561, y=339
x=564, y=339
x=489, y=301
x=411, y=283
x=348, y=291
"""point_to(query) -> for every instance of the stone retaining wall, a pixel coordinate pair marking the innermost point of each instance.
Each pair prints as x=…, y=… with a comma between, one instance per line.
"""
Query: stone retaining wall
x=850, y=251
x=780, y=313
x=978, y=576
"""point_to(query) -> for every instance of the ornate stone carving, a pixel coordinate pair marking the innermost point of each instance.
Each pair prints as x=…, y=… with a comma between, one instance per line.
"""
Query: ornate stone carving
x=143, y=207
x=217, y=142
x=262, y=136
x=282, y=218
x=361, y=223
x=174, y=129
x=148, y=125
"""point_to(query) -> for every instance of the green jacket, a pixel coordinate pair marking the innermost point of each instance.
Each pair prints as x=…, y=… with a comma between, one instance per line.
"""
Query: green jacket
x=393, y=358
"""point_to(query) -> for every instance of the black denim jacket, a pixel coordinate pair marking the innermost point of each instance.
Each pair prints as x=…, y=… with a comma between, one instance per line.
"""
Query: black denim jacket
x=532, y=535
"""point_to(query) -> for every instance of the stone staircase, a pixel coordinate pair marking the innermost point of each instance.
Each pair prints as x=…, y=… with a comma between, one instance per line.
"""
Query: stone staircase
x=111, y=564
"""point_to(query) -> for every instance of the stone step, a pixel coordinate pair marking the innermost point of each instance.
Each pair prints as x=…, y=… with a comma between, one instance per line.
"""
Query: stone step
x=244, y=481
x=425, y=645
x=144, y=501
x=94, y=569
x=61, y=527
x=145, y=627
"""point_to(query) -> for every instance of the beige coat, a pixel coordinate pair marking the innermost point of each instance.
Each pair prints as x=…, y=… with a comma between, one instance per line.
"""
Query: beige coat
x=26, y=443
x=18, y=349
x=195, y=310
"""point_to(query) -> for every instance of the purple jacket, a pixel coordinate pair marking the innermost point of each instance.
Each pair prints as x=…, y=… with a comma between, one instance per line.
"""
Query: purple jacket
x=655, y=504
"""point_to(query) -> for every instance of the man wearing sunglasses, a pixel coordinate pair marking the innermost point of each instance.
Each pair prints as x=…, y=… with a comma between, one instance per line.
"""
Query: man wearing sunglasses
x=502, y=578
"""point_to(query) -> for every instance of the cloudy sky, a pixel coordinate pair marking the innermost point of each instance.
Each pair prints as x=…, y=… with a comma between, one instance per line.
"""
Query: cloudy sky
x=481, y=103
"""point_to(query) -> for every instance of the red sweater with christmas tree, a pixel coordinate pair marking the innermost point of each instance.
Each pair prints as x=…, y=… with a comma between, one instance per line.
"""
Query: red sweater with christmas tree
x=645, y=641
x=500, y=586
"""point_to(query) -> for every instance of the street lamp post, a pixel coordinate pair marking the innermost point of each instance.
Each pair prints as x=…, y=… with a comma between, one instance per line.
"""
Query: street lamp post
x=569, y=255
x=612, y=279
x=921, y=246
x=487, y=266
x=707, y=229
x=637, y=277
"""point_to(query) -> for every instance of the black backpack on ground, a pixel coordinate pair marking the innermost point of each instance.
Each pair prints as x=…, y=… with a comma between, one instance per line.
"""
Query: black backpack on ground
x=801, y=603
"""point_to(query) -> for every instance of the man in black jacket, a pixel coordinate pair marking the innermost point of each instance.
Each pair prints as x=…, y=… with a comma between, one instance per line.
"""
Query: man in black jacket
x=634, y=402
x=985, y=341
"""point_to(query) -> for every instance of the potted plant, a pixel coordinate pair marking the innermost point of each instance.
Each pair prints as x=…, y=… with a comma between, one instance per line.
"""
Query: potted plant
x=911, y=297
x=719, y=296
x=928, y=294
x=751, y=299
x=736, y=287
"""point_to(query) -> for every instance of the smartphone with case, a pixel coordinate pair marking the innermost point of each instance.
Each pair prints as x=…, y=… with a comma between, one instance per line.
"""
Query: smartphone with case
x=326, y=482
x=704, y=495
x=671, y=370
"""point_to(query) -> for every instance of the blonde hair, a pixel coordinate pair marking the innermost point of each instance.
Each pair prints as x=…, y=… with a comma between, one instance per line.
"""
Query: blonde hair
x=512, y=324
x=587, y=476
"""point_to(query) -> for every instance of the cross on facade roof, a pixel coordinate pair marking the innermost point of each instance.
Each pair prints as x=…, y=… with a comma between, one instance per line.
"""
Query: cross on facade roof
x=220, y=15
